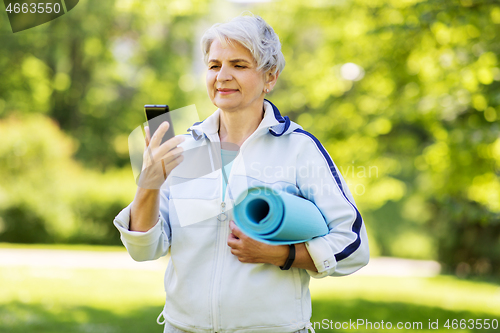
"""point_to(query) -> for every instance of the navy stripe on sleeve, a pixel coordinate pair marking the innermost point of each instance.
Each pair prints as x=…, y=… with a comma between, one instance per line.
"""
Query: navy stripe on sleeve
x=356, y=227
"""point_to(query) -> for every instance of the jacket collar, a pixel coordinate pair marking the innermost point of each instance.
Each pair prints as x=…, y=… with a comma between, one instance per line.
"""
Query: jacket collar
x=272, y=120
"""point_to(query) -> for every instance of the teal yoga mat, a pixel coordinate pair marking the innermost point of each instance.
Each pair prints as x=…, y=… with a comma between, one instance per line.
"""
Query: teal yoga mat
x=278, y=217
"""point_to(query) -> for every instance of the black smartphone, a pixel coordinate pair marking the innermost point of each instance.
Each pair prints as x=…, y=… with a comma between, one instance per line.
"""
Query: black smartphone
x=157, y=114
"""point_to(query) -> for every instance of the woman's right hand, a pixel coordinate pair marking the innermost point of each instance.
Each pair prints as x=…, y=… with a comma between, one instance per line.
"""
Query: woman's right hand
x=159, y=159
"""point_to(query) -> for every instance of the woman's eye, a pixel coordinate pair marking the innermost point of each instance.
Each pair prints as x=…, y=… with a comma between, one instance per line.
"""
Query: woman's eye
x=213, y=67
x=240, y=66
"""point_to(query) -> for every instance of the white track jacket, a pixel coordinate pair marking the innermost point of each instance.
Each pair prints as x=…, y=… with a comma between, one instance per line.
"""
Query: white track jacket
x=207, y=288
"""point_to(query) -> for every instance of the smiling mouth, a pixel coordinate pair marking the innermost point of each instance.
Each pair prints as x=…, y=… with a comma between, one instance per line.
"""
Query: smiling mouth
x=226, y=91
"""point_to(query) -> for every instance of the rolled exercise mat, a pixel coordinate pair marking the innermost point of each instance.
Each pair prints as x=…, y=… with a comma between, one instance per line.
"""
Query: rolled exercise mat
x=278, y=217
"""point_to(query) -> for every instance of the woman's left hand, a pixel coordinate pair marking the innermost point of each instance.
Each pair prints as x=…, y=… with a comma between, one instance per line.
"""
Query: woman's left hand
x=251, y=251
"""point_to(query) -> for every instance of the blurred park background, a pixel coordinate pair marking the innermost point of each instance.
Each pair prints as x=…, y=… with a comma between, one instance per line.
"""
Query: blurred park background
x=404, y=94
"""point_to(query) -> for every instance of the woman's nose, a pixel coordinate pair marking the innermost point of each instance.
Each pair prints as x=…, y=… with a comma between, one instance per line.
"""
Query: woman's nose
x=224, y=74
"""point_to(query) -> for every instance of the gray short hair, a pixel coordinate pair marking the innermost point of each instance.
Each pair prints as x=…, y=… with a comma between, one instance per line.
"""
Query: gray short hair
x=252, y=32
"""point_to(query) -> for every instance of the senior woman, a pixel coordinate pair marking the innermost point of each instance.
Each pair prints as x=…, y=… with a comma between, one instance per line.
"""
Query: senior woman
x=218, y=279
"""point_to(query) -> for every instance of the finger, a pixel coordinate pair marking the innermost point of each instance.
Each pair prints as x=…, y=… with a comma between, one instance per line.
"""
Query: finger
x=173, y=157
x=166, y=168
x=163, y=168
x=171, y=165
x=232, y=242
x=148, y=135
x=235, y=230
x=171, y=143
x=160, y=132
x=232, y=237
x=164, y=165
x=242, y=259
x=170, y=154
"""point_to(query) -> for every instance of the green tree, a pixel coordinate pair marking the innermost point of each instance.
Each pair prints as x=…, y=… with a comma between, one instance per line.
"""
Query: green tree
x=94, y=69
x=424, y=113
x=404, y=95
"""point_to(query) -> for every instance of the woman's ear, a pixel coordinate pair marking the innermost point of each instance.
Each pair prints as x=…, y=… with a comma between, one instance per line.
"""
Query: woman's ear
x=271, y=78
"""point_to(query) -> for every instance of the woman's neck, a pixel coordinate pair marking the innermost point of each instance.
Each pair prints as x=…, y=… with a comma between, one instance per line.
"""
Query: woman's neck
x=236, y=127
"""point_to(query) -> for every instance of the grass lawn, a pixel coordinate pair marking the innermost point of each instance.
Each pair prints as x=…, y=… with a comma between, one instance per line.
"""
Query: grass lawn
x=61, y=300
x=415, y=302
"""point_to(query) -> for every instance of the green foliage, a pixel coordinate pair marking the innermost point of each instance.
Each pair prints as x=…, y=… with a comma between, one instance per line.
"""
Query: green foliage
x=21, y=224
x=424, y=116
x=415, y=132
x=34, y=154
x=94, y=71
x=48, y=197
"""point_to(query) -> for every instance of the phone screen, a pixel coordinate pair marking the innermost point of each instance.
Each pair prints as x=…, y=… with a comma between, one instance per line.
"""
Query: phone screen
x=157, y=114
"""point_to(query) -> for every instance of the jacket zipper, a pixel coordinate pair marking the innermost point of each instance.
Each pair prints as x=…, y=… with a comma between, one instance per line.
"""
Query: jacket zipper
x=222, y=218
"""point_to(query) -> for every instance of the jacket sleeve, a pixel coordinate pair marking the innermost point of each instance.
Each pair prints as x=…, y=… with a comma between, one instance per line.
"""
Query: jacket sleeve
x=149, y=245
x=344, y=249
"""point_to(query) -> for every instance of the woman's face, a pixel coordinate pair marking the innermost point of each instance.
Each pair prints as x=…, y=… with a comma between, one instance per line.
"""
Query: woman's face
x=233, y=82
